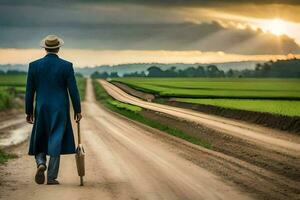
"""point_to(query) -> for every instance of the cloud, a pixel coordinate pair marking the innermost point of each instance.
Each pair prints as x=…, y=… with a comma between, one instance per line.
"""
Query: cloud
x=183, y=36
x=135, y=25
x=158, y=2
x=258, y=8
x=90, y=14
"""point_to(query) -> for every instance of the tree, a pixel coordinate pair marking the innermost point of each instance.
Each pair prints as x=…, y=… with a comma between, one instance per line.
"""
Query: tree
x=155, y=72
x=79, y=75
x=189, y=72
x=230, y=73
x=114, y=75
x=15, y=72
x=96, y=74
x=213, y=71
x=200, y=71
x=171, y=72
x=135, y=74
x=281, y=68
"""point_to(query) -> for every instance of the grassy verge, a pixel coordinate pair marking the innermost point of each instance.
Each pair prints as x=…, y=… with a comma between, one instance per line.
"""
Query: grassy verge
x=11, y=86
x=133, y=112
x=81, y=83
x=6, y=100
x=4, y=157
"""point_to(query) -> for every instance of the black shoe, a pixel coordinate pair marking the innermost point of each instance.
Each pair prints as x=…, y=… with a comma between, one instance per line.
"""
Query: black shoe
x=52, y=182
x=40, y=176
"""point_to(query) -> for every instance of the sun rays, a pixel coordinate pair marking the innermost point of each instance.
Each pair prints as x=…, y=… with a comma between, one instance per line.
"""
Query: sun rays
x=276, y=26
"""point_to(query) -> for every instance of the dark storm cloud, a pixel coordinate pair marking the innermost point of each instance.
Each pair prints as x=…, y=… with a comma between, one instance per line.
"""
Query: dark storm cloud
x=157, y=2
x=38, y=15
x=187, y=36
x=129, y=25
x=204, y=2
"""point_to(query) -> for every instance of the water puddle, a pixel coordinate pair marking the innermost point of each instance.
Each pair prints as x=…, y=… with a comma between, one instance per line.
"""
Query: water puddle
x=16, y=136
x=12, y=122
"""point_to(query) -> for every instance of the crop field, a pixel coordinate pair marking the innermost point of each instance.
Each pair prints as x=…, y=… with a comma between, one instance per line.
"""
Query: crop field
x=279, y=96
x=217, y=87
x=18, y=83
x=282, y=107
x=13, y=80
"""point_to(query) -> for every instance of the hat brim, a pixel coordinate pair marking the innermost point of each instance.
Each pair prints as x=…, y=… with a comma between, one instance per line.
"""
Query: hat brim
x=43, y=44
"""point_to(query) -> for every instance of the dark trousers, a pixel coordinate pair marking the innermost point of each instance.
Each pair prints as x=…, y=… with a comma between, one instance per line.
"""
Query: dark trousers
x=53, y=166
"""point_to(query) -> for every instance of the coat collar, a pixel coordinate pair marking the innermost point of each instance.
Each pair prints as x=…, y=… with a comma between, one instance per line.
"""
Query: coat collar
x=51, y=55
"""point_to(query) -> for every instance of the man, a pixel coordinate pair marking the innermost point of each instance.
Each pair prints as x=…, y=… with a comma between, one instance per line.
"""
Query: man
x=50, y=79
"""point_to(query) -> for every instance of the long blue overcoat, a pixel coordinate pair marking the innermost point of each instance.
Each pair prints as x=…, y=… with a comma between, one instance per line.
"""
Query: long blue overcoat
x=50, y=79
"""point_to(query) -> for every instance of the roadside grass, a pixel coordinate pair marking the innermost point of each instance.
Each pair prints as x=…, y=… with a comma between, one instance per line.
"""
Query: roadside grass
x=4, y=157
x=120, y=105
x=6, y=100
x=10, y=85
x=103, y=97
x=81, y=83
x=133, y=112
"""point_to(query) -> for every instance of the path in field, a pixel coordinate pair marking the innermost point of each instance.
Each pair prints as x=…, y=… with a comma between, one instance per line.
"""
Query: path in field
x=124, y=161
x=263, y=136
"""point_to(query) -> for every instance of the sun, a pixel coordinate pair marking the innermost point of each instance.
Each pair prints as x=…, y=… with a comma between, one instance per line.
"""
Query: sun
x=275, y=26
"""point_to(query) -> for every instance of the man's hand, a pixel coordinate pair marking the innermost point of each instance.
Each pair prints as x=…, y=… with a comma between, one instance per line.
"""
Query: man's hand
x=77, y=117
x=29, y=119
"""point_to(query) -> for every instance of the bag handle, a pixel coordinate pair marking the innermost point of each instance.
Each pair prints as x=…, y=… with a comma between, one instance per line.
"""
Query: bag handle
x=78, y=132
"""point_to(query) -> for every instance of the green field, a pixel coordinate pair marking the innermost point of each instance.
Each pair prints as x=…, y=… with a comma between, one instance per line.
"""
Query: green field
x=17, y=83
x=278, y=96
x=12, y=80
x=217, y=87
x=282, y=107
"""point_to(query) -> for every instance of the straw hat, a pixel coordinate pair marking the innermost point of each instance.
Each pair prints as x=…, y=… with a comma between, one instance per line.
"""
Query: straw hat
x=51, y=42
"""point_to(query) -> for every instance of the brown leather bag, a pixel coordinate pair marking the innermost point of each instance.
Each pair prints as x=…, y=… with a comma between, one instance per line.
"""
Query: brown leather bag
x=80, y=154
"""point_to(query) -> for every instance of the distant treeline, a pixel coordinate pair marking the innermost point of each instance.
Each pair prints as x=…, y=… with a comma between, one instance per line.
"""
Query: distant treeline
x=278, y=69
x=17, y=72
x=12, y=72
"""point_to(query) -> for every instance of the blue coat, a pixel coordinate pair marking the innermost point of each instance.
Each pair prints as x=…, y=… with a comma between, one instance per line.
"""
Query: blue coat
x=50, y=79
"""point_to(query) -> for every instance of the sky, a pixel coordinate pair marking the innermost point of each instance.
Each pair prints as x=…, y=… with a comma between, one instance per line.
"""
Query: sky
x=133, y=31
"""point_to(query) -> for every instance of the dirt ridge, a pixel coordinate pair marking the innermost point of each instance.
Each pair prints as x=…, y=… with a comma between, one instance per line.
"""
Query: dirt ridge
x=284, y=123
x=142, y=95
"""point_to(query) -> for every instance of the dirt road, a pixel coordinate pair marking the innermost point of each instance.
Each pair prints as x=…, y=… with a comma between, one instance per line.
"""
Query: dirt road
x=124, y=161
x=267, y=137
